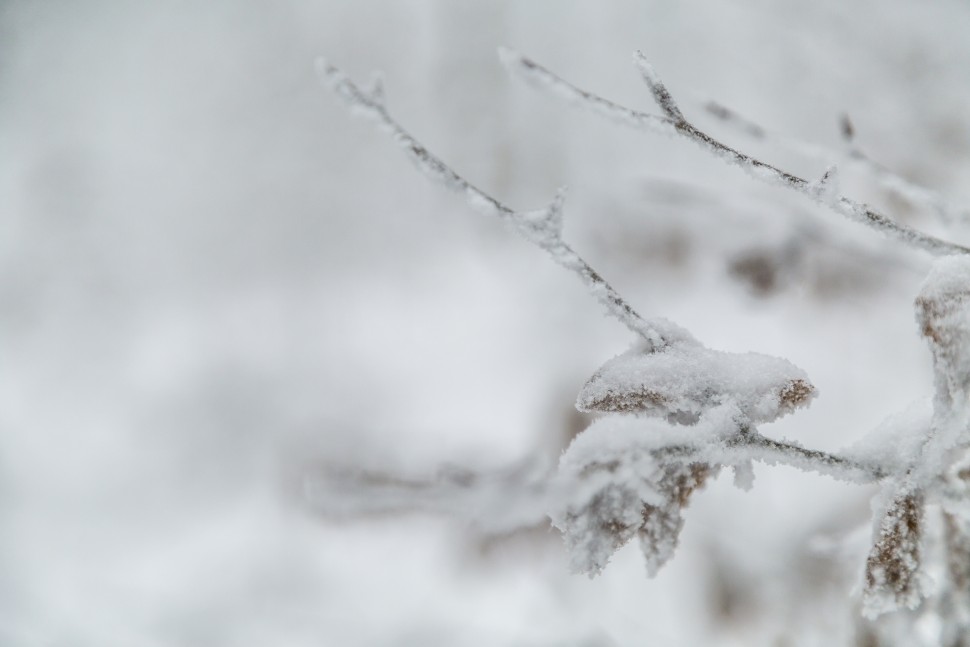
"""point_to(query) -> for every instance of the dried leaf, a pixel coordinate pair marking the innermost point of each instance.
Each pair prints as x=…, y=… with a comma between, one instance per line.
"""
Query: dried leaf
x=661, y=527
x=684, y=381
x=624, y=485
x=892, y=569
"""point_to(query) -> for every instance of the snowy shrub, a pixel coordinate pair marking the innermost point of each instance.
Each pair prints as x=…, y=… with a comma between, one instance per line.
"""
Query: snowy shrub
x=673, y=412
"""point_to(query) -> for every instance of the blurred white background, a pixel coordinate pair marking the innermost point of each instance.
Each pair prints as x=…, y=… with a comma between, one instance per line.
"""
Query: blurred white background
x=216, y=283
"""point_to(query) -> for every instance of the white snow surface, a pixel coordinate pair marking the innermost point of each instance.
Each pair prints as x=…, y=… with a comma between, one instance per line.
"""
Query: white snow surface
x=688, y=380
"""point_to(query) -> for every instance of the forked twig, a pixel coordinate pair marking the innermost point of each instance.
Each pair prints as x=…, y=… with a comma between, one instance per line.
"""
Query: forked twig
x=543, y=227
x=823, y=191
x=888, y=179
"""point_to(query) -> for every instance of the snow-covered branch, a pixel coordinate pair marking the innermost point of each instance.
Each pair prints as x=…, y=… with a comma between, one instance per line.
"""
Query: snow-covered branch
x=918, y=195
x=495, y=501
x=677, y=412
x=754, y=446
x=673, y=123
x=542, y=227
x=623, y=477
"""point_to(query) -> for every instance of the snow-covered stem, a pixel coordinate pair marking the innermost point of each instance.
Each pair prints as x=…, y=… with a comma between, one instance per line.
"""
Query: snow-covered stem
x=542, y=228
x=752, y=445
x=543, y=78
x=888, y=179
x=782, y=452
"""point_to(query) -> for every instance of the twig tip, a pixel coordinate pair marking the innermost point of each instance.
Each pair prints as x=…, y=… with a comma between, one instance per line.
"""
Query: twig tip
x=508, y=56
x=657, y=88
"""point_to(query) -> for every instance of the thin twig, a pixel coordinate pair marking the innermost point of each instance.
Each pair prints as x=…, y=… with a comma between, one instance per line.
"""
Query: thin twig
x=819, y=192
x=771, y=451
x=543, y=228
x=890, y=180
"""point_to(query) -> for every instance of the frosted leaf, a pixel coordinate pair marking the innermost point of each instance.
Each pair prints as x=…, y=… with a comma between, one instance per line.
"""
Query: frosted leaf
x=682, y=382
x=943, y=312
x=941, y=307
x=892, y=578
x=661, y=527
x=622, y=488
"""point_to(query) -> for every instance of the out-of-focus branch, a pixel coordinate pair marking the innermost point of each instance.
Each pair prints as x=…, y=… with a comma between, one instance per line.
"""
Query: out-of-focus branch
x=914, y=193
x=523, y=494
x=517, y=496
x=542, y=228
x=823, y=191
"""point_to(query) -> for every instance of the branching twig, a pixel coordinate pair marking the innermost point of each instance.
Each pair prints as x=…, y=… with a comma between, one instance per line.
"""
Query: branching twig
x=673, y=123
x=543, y=228
x=916, y=194
x=626, y=476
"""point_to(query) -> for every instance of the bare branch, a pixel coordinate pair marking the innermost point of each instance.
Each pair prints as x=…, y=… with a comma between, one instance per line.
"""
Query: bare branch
x=479, y=498
x=541, y=77
x=482, y=498
x=659, y=90
x=543, y=228
x=889, y=180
